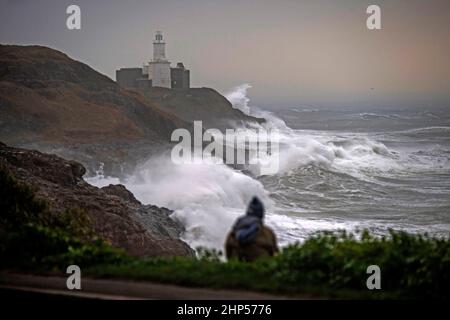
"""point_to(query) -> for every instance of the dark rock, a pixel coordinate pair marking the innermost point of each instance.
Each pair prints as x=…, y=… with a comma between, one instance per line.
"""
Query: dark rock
x=204, y=104
x=120, y=191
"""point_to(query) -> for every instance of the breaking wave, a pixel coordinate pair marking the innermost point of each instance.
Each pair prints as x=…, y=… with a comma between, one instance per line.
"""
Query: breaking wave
x=314, y=166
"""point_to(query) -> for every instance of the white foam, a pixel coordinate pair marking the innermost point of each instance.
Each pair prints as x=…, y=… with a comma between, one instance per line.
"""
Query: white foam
x=238, y=98
x=100, y=180
x=207, y=198
x=356, y=155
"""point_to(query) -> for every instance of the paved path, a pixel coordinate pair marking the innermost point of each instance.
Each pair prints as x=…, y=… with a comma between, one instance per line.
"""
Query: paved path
x=117, y=289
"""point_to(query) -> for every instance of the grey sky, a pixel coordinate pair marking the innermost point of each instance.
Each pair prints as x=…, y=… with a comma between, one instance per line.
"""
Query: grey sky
x=291, y=52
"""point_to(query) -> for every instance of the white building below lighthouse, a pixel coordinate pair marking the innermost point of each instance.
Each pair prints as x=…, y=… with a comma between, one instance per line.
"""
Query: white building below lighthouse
x=157, y=73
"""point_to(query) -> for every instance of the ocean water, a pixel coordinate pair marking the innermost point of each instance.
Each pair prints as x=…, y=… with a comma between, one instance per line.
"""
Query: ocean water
x=347, y=169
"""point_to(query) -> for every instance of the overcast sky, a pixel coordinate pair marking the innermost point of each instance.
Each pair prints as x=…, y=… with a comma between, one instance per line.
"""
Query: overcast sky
x=291, y=52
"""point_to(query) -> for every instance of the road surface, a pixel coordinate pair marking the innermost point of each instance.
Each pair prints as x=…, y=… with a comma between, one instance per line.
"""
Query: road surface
x=55, y=286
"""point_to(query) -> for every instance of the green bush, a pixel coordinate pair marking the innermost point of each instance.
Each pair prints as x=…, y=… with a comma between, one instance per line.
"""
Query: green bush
x=42, y=249
x=412, y=264
x=20, y=206
x=328, y=264
x=34, y=236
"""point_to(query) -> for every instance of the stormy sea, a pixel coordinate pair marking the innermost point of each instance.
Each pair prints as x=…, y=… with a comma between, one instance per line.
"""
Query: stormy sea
x=339, y=169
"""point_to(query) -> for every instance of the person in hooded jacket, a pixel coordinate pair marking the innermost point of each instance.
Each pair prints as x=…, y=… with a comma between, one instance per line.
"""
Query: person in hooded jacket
x=249, y=239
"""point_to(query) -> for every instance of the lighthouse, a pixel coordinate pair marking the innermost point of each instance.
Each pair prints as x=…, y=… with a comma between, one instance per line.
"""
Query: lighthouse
x=159, y=47
x=159, y=67
x=157, y=73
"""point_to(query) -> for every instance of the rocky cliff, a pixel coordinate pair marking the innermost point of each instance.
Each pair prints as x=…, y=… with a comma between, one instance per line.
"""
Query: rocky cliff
x=55, y=104
x=204, y=104
x=115, y=214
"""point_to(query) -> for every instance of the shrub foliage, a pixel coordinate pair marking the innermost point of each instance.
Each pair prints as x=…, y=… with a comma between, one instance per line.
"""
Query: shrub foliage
x=328, y=264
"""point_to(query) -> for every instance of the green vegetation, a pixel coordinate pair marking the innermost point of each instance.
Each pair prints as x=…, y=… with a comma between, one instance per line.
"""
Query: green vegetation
x=19, y=206
x=36, y=237
x=328, y=264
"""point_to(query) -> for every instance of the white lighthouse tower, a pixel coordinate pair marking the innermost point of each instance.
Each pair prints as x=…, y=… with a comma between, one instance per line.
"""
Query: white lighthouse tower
x=159, y=67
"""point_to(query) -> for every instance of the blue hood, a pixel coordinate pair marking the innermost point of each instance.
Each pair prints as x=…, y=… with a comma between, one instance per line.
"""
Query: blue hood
x=246, y=228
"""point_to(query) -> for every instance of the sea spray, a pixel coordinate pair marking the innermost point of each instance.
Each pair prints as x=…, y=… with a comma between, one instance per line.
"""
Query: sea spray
x=327, y=180
x=239, y=99
x=206, y=198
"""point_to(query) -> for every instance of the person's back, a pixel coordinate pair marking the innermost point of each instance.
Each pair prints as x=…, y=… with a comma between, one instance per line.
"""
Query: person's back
x=249, y=239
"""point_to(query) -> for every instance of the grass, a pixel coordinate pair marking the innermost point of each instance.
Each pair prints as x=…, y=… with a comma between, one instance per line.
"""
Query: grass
x=32, y=237
x=329, y=264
